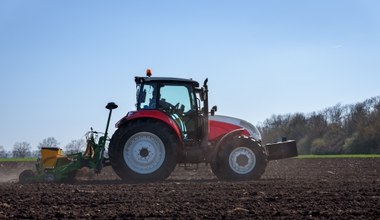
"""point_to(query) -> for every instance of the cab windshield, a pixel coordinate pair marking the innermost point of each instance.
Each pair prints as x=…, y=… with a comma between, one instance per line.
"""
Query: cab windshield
x=146, y=96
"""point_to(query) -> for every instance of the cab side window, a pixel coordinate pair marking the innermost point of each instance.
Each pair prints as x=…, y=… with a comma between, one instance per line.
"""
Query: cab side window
x=176, y=96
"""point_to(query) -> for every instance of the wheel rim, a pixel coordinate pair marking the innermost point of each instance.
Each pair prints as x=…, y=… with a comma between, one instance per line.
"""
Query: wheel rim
x=242, y=160
x=144, y=152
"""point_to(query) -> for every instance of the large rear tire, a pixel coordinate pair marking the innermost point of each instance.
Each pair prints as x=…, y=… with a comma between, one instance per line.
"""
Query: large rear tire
x=143, y=151
x=243, y=159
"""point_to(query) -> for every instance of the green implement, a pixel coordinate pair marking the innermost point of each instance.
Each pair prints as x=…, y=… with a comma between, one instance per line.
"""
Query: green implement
x=54, y=166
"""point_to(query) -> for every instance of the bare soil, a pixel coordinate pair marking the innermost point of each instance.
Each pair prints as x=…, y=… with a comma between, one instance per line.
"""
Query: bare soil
x=289, y=189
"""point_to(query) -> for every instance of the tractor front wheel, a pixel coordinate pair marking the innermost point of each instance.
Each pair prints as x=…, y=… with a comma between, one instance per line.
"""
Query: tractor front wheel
x=143, y=151
x=241, y=160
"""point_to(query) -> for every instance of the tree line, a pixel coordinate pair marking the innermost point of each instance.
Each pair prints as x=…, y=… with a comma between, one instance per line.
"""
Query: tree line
x=347, y=129
x=24, y=149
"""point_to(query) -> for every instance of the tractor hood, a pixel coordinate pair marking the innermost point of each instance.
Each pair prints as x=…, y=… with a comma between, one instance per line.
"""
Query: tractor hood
x=222, y=121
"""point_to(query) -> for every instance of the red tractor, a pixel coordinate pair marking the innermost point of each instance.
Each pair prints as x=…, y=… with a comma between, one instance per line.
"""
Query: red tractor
x=173, y=125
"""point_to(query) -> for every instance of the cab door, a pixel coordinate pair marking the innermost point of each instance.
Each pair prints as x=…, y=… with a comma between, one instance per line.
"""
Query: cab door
x=178, y=101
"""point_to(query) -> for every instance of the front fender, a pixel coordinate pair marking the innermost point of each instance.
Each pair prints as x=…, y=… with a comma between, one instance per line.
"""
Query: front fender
x=224, y=140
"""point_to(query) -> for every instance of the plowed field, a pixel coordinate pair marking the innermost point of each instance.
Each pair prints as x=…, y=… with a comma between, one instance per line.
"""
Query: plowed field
x=290, y=189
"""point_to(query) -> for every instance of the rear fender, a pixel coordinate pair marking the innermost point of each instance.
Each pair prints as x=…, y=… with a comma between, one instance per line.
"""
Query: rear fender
x=154, y=114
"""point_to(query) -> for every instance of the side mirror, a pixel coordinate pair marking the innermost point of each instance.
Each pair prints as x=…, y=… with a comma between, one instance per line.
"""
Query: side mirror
x=111, y=105
x=202, y=95
x=213, y=110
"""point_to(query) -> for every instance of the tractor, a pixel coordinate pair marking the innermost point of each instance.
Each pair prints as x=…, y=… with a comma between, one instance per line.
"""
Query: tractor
x=173, y=124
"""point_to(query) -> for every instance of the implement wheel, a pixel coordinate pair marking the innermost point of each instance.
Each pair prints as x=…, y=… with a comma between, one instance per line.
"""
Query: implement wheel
x=26, y=176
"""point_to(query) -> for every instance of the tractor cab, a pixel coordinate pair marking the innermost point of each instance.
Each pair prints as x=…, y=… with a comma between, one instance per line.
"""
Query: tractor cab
x=180, y=99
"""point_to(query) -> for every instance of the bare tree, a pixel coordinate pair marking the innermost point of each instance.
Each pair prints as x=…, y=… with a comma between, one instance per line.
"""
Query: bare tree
x=338, y=129
x=3, y=153
x=75, y=146
x=21, y=150
x=36, y=154
x=48, y=142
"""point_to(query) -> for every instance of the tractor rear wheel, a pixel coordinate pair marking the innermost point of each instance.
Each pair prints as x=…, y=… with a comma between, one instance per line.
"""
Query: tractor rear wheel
x=143, y=151
x=242, y=160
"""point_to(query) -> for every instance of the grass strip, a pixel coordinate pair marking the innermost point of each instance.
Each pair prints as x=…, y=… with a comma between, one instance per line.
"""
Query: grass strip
x=332, y=156
x=18, y=159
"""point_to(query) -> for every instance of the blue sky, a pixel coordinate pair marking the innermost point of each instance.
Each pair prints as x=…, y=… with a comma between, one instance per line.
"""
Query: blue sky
x=62, y=61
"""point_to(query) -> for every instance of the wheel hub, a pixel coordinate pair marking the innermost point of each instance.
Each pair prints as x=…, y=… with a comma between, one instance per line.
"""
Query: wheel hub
x=242, y=160
x=144, y=152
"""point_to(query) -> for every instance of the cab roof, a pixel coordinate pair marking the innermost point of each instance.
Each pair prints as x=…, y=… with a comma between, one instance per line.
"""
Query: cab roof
x=140, y=80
